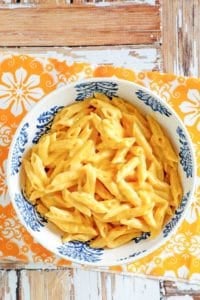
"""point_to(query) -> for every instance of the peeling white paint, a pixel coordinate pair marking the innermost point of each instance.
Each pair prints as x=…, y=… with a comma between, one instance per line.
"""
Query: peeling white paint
x=138, y=59
x=186, y=27
x=10, y=293
x=87, y=285
x=103, y=4
x=25, y=286
x=147, y=289
x=194, y=66
x=150, y=2
x=30, y=4
x=16, y=6
x=186, y=297
x=182, y=286
x=108, y=286
x=81, y=284
x=179, y=18
x=135, y=288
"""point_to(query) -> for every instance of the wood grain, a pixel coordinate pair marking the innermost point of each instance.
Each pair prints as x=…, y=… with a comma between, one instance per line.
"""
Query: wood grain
x=181, y=36
x=46, y=285
x=8, y=284
x=81, y=285
x=77, y=25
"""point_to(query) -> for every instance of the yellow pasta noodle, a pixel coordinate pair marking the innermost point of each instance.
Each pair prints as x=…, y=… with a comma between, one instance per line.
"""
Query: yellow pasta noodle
x=104, y=173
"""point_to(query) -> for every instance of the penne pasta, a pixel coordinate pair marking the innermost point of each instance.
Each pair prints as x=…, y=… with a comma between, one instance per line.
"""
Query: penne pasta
x=103, y=174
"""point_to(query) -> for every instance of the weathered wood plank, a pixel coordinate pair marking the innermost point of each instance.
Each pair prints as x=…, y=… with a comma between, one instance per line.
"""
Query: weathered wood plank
x=152, y=2
x=181, y=37
x=126, y=287
x=8, y=285
x=171, y=289
x=75, y=25
x=139, y=58
x=76, y=285
x=87, y=285
x=46, y=285
x=80, y=285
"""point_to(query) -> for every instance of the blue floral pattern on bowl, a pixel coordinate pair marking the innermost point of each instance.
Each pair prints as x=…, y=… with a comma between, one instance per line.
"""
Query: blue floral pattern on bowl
x=19, y=149
x=137, y=253
x=143, y=236
x=153, y=103
x=86, y=90
x=44, y=122
x=177, y=215
x=185, y=153
x=32, y=219
x=80, y=251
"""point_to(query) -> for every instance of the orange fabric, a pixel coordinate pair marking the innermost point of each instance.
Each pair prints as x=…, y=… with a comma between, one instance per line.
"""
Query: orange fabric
x=24, y=80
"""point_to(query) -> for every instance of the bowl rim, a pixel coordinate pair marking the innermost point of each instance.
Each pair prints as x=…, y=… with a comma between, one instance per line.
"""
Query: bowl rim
x=53, y=94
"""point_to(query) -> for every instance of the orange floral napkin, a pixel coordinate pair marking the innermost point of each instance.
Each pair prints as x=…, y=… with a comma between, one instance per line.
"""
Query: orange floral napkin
x=24, y=80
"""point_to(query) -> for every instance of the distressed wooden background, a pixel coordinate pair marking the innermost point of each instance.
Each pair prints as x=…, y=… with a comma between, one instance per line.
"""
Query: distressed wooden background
x=161, y=35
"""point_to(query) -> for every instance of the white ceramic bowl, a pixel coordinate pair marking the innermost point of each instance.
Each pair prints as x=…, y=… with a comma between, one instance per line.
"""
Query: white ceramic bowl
x=39, y=120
